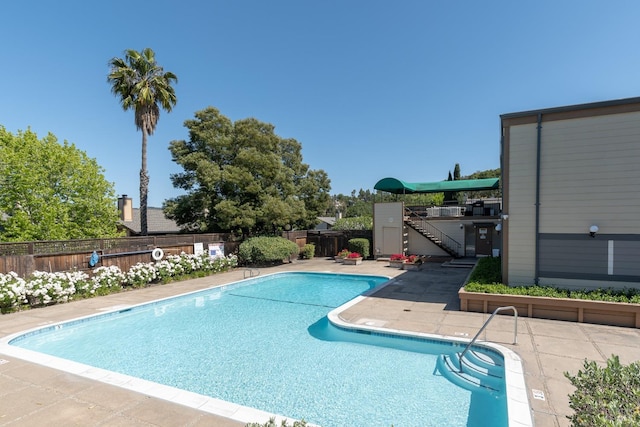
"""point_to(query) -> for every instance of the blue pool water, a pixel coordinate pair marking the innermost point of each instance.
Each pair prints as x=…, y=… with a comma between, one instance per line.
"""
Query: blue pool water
x=266, y=343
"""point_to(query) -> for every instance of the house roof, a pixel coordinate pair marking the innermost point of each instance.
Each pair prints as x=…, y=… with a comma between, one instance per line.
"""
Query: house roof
x=331, y=220
x=396, y=186
x=157, y=223
x=622, y=103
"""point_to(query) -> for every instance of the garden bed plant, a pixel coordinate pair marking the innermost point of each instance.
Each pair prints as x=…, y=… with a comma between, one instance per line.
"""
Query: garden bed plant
x=486, y=278
x=267, y=250
x=605, y=395
x=42, y=288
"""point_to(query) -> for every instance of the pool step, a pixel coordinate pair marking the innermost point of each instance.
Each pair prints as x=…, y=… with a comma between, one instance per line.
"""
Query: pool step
x=479, y=370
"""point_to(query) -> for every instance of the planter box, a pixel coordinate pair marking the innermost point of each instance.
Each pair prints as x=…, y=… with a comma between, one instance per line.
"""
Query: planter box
x=396, y=264
x=352, y=261
x=573, y=310
x=339, y=259
x=412, y=266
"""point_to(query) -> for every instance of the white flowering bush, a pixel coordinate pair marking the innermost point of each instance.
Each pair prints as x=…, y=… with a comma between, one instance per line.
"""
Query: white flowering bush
x=219, y=264
x=190, y=263
x=141, y=274
x=170, y=267
x=44, y=288
x=12, y=291
x=104, y=281
x=187, y=264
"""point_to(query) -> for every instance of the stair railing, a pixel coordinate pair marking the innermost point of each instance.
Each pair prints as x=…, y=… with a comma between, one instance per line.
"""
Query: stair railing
x=252, y=272
x=445, y=240
x=497, y=310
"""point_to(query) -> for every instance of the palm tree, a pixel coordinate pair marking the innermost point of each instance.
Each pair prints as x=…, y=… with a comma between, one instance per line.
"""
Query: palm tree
x=142, y=85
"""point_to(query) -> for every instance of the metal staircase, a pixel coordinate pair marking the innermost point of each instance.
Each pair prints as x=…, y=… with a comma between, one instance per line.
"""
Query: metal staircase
x=424, y=227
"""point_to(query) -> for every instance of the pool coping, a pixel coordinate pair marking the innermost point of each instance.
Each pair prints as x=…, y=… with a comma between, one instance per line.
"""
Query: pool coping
x=517, y=399
x=518, y=408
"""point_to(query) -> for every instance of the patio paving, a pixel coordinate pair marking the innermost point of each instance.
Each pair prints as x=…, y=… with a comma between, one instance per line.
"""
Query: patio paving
x=420, y=301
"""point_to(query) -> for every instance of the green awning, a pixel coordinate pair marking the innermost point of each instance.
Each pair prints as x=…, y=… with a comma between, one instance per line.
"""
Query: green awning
x=396, y=186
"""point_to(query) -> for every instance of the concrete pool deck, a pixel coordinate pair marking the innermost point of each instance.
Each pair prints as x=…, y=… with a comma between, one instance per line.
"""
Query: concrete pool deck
x=422, y=301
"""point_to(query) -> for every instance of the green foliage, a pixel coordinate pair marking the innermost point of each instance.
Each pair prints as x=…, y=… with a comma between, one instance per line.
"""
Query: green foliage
x=605, y=396
x=611, y=295
x=489, y=173
x=242, y=177
x=266, y=250
x=52, y=191
x=308, y=251
x=43, y=288
x=272, y=423
x=361, y=246
x=361, y=204
x=486, y=278
x=456, y=172
x=488, y=270
x=355, y=223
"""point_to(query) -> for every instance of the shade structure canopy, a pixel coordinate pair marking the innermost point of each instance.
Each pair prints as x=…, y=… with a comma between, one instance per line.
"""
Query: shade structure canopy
x=396, y=186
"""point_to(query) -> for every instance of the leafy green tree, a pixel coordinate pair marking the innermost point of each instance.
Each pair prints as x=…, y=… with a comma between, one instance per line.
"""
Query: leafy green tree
x=52, y=191
x=360, y=204
x=313, y=191
x=489, y=173
x=242, y=177
x=354, y=223
x=144, y=86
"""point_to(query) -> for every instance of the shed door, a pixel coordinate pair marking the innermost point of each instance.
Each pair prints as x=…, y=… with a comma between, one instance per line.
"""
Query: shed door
x=483, y=240
x=391, y=240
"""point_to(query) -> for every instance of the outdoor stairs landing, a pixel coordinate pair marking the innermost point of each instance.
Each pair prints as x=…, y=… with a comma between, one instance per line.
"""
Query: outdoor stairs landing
x=461, y=263
x=479, y=370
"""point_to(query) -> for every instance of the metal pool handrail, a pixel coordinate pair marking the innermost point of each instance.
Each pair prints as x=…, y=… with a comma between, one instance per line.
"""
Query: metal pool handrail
x=251, y=272
x=515, y=330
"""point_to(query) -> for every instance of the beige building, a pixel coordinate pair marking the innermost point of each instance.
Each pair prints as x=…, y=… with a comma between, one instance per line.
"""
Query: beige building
x=453, y=230
x=571, y=195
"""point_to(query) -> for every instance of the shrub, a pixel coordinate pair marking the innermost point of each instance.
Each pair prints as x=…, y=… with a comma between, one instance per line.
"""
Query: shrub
x=398, y=257
x=613, y=295
x=44, y=288
x=360, y=245
x=141, y=274
x=105, y=280
x=606, y=396
x=488, y=270
x=343, y=253
x=414, y=259
x=266, y=250
x=12, y=291
x=308, y=251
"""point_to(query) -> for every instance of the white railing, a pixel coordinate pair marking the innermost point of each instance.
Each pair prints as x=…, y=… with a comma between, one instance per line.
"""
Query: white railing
x=489, y=208
x=440, y=211
x=496, y=311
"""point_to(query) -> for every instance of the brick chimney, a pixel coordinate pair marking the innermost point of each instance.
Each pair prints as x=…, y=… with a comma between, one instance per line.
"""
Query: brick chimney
x=125, y=206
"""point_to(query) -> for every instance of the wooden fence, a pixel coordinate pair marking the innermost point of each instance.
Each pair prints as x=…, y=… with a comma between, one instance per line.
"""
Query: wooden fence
x=329, y=243
x=65, y=255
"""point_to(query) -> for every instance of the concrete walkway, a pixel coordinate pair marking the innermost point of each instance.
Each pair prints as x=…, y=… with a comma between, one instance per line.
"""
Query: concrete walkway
x=421, y=301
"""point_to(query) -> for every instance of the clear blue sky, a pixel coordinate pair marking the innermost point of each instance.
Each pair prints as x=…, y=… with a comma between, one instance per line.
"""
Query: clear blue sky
x=371, y=89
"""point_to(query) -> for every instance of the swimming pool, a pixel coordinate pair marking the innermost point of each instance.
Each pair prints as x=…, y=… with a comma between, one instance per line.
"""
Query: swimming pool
x=267, y=343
